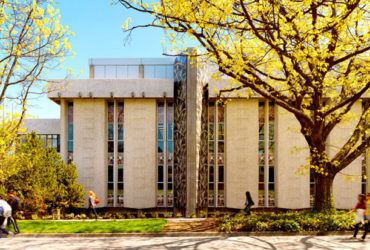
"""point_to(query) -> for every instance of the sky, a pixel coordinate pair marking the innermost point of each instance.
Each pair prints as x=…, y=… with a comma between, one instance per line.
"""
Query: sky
x=98, y=34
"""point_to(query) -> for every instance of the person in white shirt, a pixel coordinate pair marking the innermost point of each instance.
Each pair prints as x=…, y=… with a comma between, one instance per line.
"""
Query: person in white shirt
x=5, y=212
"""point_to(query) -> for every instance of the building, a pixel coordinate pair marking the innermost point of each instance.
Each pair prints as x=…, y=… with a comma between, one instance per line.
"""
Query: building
x=148, y=133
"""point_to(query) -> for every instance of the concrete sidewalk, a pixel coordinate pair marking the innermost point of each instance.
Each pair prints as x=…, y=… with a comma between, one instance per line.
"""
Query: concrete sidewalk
x=196, y=242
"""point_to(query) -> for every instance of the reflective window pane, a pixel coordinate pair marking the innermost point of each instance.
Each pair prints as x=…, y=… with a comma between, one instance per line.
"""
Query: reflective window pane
x=122, y=72
x=99, y=72
x=110, y=131
x=160, y=146
x=133, y=72
x=170, y=147
x=120, y=131
x=110, y=72
x=149, y=71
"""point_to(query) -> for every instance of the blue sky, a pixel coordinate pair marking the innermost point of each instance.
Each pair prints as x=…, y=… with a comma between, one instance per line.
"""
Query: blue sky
x=98, y=33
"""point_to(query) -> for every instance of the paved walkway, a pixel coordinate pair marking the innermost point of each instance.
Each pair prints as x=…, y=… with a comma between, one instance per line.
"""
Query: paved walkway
x=141, y=243
x=189, y=225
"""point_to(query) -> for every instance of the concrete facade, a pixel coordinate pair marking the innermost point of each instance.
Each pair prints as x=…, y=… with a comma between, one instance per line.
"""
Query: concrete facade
x=345, y=189
x=291, y=152
x=241, y=151
x=89, y=145
x=140, y=153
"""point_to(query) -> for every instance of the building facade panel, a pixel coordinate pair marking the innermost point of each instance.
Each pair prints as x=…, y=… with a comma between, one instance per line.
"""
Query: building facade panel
x=89, y=145
x=140, y=153
x=241, y=152
x=292, y=189
x=345, y=188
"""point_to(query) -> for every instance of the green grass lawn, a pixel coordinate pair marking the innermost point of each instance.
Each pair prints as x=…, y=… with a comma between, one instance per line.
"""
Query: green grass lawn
x=123, y=226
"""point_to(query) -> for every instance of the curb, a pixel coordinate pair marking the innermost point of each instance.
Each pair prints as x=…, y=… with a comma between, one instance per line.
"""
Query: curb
x=177, y=234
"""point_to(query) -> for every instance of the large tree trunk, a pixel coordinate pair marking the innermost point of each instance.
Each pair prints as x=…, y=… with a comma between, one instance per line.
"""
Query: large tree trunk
x=324, y=201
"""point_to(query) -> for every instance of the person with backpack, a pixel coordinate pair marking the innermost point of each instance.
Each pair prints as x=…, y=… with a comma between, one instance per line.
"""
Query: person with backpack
x=92, y=199
x=360, y=209
x=248, y=203
x=367, y=217
x=15, y=203
x=5, y=212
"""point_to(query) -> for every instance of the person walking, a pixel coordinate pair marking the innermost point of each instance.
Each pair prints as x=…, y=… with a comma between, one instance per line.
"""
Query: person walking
x=5, y=212
x=92, y=204
x=15, y=202
x=360, y=209
x=248, y=203
x=367, y=217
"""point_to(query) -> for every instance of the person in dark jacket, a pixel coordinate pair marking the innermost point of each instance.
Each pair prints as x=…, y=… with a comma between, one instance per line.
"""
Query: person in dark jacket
x=248, y=203
x=15, y=202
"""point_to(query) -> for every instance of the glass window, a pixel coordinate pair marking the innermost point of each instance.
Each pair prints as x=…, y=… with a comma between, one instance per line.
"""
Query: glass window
x=160, y=72
x=169, y=72
x=170, y=147
x=122, y=72
x=133, y=72
x=110, y=72
x=110, y=131
x=99, y=72
x=120, y=146
x=120, y=132
x=149, y=71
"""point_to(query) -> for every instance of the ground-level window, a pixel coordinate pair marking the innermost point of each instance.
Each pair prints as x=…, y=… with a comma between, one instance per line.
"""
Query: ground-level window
x=266, y=149
x=165, y=154
x=50, y=140
x=216, y=155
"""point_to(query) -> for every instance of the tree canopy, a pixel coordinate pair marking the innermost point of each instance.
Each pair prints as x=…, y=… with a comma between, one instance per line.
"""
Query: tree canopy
x=310, y=57
x=32, y=40
x=40, y=176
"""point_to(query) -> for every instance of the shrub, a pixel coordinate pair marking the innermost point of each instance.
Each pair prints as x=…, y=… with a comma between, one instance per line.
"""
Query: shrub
x=107, y=216
x=154, y=214
x=290, y=222
x=70, y=216
x=119, y=216
x=168, y=215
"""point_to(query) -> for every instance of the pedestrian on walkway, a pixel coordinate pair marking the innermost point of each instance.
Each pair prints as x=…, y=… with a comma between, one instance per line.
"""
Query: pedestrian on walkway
x=248, y=203
x=360, y=209
x=92, y=204
x=5, y=212
x=15, y=202
x=367, y=216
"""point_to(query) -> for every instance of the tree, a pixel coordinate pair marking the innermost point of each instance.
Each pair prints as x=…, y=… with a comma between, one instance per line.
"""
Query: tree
x=31, y=41
x=311, y=57
x=43, y=180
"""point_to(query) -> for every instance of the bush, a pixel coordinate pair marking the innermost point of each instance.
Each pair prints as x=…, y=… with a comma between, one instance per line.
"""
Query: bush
x=289, y=222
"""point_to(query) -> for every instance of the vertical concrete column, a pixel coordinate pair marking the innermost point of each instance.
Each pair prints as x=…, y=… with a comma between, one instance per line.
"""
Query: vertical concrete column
x=345, y=191
x=90, y=147
x=292, y=190
x=141, y=71
x=140, y=153
x=194, y=112
x=64, y=130
x=91, y=72
x=241, y=152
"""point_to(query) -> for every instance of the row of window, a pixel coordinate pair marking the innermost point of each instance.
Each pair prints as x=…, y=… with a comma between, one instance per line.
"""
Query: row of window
x=132, y=71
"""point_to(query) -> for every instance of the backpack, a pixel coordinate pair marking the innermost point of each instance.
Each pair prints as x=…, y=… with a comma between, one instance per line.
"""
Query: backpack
x=7, y=210
x=97, y=201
